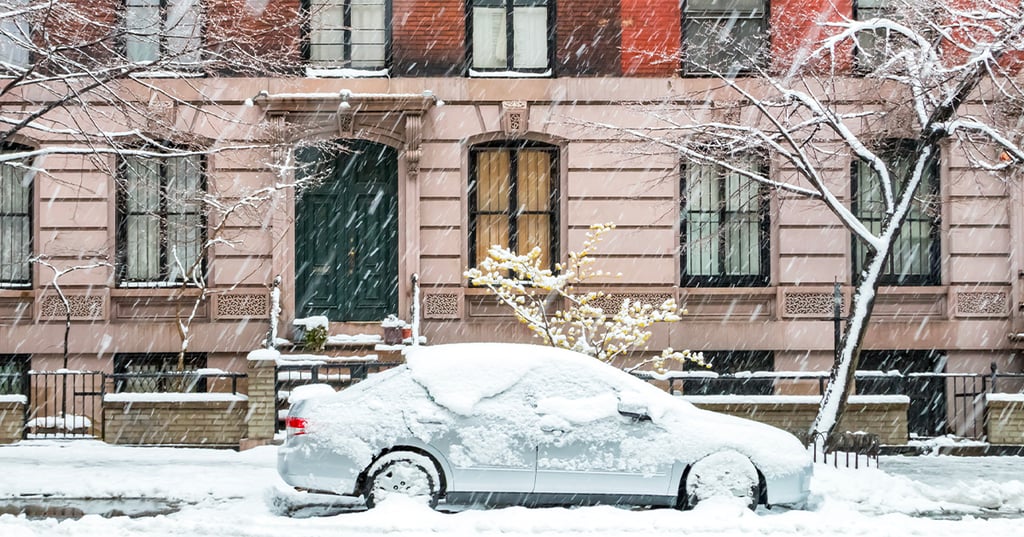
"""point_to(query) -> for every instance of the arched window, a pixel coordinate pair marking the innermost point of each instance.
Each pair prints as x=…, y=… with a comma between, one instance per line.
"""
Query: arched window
x=513, y=199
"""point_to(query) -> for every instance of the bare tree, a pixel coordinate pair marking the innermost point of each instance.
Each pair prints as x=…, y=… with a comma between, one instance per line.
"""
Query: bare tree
x=935, y=77
x=58, y=273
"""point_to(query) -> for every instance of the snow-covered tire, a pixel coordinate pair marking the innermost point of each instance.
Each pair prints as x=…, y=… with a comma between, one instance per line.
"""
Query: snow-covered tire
x=724, y=474
x=404, y=473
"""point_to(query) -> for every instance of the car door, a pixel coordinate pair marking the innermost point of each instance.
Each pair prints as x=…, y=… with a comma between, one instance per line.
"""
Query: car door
x=588, y=447
x=495, y=449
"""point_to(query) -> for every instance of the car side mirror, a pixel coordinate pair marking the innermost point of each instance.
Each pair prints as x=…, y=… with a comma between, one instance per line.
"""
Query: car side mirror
x=635, y=410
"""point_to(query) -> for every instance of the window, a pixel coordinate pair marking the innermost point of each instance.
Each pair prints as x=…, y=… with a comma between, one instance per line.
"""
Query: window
x=730, y=363
x=727, y=37
x=162, y=30
x=872, y=45
x=513, y=199
x=161, y=226
x=158, y=372
x=14, y=374
x=723, y=228
x=511, y=35
x=15, y=40
x=15, y=224
x=915, y=254
x=348, y=33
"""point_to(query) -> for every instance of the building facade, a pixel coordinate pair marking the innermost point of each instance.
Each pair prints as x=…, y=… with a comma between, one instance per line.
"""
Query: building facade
x=457, y=124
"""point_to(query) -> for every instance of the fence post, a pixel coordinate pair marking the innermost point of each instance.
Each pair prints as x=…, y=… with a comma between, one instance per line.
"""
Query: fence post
x=261, y=420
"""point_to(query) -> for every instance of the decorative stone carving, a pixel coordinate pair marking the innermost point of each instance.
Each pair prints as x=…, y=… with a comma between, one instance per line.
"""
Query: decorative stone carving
x=413, y=141
x=515, y=117
x=238, y=306
x=442, y=305
x=610, y=303
x=809, y=304
x=981, y=303
x=82, y=307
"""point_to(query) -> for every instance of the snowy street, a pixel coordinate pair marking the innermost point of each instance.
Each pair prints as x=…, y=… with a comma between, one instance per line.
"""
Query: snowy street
x=227, y=493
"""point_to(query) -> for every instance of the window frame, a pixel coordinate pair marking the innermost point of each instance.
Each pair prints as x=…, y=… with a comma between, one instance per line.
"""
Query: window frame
x=859, y=251
x=345, y=62
x=162, y=236
x=860, y=64
x=510, y=68
x=763, y=249
x=692, y=69
x=29, y=216
x=23, y=26
x=166, y=361
x=164, y=56
x=22, y=362
x=554, y=196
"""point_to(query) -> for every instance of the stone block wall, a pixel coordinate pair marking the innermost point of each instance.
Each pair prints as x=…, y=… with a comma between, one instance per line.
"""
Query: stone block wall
x=1004, y=419
x=262, y=418
x=12, y=419
x=216, y=421
x=885, y=416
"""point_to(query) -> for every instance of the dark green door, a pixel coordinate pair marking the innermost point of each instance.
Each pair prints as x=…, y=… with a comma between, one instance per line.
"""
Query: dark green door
x=346, y=234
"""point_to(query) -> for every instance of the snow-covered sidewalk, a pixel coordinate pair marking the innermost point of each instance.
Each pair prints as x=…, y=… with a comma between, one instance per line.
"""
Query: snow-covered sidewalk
x=226, y=493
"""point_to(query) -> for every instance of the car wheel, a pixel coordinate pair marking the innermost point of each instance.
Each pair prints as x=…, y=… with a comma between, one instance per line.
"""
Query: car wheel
x=403, y=473
x=725, y=474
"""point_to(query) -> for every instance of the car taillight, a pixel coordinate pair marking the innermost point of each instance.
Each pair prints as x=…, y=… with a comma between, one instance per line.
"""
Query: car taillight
x=295, y=426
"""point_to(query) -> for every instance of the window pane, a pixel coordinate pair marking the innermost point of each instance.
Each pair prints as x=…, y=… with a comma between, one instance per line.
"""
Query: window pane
x=535, y=231
x=15, y=225
x=182, y=29
x=493, y=181
x=489, y=38
x=327, y=32
x=530, y=28
x=490, y=230
x=534, y=181
x=15, y=37
x=142, y=247
x=725, y=44
x=142, y=30
x=368, y=33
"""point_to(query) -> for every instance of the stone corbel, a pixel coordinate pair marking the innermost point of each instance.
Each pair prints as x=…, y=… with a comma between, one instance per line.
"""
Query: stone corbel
x=346, y=117
x=413, y=141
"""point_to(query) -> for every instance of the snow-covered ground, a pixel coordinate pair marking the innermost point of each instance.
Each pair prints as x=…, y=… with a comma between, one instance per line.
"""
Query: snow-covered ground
x=226, y=493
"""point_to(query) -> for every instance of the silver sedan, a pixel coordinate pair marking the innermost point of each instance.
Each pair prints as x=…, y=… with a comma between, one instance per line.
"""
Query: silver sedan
x=529, y=425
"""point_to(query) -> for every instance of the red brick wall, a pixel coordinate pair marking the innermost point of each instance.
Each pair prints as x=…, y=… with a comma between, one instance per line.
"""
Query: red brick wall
x=260, y=40
x=588, y=38
x=650, y=37
x=428, y=37
x=797, y=27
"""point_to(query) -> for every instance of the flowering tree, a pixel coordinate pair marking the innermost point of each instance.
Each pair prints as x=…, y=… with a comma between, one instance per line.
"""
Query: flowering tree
x=531, y=291
x=932, y=76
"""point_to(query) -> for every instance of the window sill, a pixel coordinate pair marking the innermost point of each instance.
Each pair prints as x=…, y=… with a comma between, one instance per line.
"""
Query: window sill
x=345, y=72
x=473, y=73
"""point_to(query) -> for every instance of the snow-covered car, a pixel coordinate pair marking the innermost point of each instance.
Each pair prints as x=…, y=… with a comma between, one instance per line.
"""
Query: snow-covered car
x=530, y=425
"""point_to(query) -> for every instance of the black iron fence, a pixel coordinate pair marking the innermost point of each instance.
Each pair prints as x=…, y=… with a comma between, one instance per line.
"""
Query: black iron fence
x=63, y=404
x=940, y=403
x=68, y=404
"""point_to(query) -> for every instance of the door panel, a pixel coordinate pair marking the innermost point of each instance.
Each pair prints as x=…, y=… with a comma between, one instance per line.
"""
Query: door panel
x=347, y=234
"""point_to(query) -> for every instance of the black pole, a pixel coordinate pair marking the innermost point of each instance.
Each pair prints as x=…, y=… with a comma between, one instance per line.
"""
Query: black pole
x=837, y=311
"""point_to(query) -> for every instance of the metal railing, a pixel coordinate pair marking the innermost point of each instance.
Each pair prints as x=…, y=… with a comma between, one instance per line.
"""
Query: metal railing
x=173, y=382
x=64, y=404
x=940, y=403
x=337, y=374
